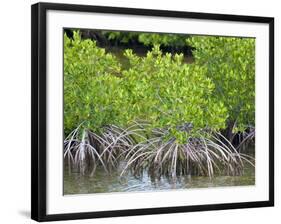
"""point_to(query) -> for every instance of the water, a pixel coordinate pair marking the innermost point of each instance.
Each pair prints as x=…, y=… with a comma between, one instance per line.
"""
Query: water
x=102, y=182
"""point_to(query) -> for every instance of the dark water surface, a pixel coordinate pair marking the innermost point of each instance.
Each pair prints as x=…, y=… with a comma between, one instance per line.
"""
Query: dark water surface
x=102, y=182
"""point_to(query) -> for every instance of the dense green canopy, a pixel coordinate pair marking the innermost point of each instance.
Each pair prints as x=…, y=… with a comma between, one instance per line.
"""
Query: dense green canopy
x=160, y=88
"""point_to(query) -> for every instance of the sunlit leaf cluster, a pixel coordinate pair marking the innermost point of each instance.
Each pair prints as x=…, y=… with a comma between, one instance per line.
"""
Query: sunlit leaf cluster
x=230, y=63
x=158, y=88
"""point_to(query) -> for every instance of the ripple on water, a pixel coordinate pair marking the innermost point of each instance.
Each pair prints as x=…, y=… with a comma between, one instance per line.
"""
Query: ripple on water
x=102, y=182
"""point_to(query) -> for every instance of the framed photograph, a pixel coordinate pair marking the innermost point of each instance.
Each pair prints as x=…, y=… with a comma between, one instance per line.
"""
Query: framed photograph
x=141, y=111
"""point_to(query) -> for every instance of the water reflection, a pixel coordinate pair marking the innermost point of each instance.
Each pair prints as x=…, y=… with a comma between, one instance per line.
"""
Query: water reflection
x=102, y=182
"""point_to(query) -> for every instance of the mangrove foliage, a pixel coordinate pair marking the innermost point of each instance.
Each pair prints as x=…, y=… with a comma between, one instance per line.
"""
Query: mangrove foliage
x=156, y=113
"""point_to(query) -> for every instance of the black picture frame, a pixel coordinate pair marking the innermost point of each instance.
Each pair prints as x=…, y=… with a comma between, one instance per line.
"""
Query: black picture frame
x=38, y=108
